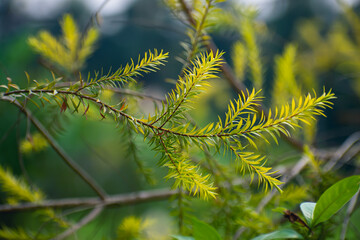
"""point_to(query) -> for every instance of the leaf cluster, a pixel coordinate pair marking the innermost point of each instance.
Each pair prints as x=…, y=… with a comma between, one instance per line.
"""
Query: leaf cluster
x=71, y=50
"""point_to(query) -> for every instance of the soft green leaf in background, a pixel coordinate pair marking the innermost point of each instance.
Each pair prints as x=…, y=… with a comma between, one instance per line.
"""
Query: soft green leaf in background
x=280, y=234
x=307, y=209
x=179, y=237
x=334, y=198
x=203, y=231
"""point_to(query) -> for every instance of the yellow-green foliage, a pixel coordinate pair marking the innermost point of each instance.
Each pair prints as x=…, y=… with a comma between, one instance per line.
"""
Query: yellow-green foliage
x=245, y=52
x=35, y=143
x=15, y=234
x=188, y=88
x=18, y=189
x=205, y=14
x=169, y=131
x=189, y=177
x=315, y=165
x=149, y=63
x=71, y=50
x=184, y=172
x=253, y=54
x=132, y=228
x=292, y=194
x=203, y=18
x=343, y=40
x=258, y=223
x=239, y=59
x=285, y=85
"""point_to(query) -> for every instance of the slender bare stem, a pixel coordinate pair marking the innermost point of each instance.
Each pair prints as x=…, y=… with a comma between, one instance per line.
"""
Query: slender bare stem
x=58, y=149
x=342, y=150
x=85, y=220
x=349, y=211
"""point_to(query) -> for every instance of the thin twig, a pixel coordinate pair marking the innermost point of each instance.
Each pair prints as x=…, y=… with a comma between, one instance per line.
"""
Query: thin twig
x=354, y=151
x=349, y=211
x=85, y=220
x=135, y=93
x=342, y=150
x=20, y=155
x=73, y=165
x=21, y=159
x=114, y=200
x=120, y=91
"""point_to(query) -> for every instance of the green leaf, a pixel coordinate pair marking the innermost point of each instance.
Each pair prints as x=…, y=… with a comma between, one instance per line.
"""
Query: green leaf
x=204, y=231
x=307, y=209
x=280, y=234
x=179, y=237
x=334, y=198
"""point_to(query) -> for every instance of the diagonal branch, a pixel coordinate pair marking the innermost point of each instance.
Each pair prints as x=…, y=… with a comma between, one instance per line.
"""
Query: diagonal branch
x=85, y=220
x=73, y=165
x=342, y=150
x=349, y=211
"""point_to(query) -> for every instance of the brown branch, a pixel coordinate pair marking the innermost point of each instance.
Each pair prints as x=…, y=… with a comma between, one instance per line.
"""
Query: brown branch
x=114, y=200
x=85, y=220
x=73, y=165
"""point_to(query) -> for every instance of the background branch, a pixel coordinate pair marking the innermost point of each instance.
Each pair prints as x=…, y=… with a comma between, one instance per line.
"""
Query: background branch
x=73, y=165
x=85, y=220
x=342, y=150
x=119, y=200
x=349, y=211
